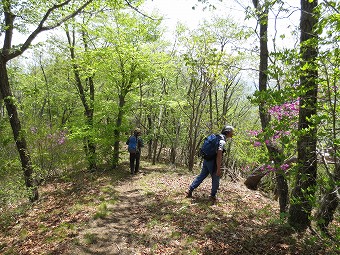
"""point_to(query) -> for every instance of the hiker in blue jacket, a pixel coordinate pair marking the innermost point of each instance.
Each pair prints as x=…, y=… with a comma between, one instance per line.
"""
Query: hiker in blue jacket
x=212, y=166
x=135, y=144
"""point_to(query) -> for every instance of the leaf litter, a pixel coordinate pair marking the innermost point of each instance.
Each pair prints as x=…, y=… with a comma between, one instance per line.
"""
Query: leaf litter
x=149, y=214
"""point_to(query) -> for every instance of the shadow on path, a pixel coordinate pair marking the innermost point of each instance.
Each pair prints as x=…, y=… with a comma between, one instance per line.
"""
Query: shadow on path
x=151, y=216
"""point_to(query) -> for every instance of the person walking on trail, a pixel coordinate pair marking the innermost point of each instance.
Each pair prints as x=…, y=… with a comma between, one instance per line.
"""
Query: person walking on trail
x=212, y=165
x=135, y=144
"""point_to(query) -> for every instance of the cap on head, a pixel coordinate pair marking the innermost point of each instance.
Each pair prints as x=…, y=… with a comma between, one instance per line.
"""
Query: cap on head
x=137, y=131
x=227, y=129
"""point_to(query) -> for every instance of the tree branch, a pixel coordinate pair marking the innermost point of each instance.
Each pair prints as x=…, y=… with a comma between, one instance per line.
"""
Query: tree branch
x=331, y=6
x=42, y=28
x=137, y=10
x=9, y=20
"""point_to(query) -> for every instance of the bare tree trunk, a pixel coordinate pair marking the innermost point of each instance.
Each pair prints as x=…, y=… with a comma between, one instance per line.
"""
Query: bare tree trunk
x=198, y=95
x=300, y=209
x=150, y=124
x=48, y=97
x=19, y=138
x=89, y=145
x=325, y=213
x=92, y=155
x=116, y=132
x=173, y=153
x=211, y=106
x=274, y=153
x=154, y=150
x=159, y=153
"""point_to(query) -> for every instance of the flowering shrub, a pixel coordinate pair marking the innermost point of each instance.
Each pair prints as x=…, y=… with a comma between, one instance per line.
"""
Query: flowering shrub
x=50, y=149
x=287, y=110
x=283, y=124
x=58, y=137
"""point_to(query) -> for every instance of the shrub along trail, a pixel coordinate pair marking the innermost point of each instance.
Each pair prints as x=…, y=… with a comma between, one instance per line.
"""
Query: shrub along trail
x=115, y=213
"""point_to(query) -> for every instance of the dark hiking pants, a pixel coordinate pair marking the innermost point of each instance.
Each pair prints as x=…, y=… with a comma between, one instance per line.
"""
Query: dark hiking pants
x=134, y=162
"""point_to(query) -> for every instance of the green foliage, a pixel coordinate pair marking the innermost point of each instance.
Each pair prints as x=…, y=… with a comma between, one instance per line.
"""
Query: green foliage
x=210, y=227
x=176, y=94
x=90, y=238
x=9, y=215
x=11, y=180
x=102, y=211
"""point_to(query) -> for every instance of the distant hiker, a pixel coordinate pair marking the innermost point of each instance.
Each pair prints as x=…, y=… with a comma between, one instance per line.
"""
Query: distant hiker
x=135, y=143
x=212, y=164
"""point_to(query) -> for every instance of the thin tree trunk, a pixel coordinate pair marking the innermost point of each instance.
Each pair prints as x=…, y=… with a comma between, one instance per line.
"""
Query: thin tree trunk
x=154, y=150
x=116, y=132
x=48, y=97
x=161, y=146
x=300, y=209
x=282, y=191
x=89, y=145
x=150, y=124
x=19, y=138
x=211, y=106
x=198, y=94
x=274, y=153
x=173, y=153
x=325, y=213
x=92, y=156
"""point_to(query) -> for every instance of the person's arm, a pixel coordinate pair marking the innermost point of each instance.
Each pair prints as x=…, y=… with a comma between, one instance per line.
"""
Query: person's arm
x=141, y=143
x=218, y=163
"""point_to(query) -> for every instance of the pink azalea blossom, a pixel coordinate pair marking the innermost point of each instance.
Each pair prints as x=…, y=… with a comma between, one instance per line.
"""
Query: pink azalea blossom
x=270, y=168
x=254, y=132
x=257, y=144
x=284, y=167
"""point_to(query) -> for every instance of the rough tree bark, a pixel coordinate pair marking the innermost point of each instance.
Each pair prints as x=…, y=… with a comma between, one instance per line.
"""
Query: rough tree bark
x=19, y=137
x=301, y=207
x=274, y=153
x=9, y=52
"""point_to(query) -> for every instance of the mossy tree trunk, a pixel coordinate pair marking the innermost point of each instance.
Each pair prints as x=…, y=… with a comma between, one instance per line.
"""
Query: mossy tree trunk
x=304, y=190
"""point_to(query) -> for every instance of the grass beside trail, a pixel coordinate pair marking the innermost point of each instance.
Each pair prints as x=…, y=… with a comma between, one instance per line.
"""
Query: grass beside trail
x=111, y=212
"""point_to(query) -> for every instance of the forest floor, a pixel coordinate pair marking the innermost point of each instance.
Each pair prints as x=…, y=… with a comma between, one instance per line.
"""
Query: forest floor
x=112, y=212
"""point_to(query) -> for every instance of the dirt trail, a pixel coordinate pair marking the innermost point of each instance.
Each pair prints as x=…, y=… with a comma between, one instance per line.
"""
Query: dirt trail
x=151, y=216
x=113, y=234
x=148, y=214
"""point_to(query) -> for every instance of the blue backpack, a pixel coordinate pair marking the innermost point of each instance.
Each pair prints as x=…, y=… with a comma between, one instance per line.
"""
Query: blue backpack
x=132, y=146
x=208, y=150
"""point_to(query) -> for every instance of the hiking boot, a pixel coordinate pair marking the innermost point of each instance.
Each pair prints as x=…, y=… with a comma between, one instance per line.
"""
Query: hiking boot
x=189, y=194
x=212, y=199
